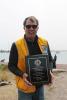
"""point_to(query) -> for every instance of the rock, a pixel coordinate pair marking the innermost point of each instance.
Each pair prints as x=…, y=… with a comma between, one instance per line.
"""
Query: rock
x=3, y=83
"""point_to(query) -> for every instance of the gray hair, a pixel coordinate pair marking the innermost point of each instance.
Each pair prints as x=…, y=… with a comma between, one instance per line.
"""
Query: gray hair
x=32, y=18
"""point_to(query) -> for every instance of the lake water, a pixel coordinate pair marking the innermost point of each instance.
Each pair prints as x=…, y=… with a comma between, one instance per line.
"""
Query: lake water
x=5, y=56
x=61, y=56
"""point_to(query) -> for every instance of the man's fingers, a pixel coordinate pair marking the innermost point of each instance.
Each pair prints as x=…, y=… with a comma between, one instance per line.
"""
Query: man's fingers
x=25, y=79
x=27, y=82
x=25, y=75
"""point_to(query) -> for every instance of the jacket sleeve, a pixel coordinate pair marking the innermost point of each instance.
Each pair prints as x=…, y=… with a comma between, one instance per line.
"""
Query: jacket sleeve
x=13, y=60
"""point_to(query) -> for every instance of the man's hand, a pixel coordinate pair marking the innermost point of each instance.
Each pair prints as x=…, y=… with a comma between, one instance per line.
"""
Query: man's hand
x=52, y=75
x=25, y=75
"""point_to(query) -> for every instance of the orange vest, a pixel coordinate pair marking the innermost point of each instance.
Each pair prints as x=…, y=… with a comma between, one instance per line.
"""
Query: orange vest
x=22, y=53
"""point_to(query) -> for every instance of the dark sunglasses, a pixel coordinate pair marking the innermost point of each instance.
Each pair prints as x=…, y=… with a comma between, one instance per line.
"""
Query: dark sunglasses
x=29, y=26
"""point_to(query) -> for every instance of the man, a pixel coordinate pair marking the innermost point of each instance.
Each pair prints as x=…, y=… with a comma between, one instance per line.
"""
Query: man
x=54, y=61
x=30, y=44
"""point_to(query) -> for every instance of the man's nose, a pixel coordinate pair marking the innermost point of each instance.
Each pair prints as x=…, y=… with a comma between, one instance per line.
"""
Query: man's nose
x=31, y=28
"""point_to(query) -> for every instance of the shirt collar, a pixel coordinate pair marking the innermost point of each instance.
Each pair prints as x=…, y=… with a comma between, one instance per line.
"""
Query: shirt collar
x=36, y=38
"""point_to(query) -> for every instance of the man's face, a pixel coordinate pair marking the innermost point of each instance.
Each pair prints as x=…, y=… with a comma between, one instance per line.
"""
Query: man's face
x=31, y=28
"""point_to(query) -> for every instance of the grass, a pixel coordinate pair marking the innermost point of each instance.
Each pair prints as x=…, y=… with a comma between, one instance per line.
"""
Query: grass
x=3, y=72
x=3, y=66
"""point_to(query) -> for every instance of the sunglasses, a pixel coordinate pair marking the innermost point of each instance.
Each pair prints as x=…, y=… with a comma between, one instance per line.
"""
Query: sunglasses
x=29, y=26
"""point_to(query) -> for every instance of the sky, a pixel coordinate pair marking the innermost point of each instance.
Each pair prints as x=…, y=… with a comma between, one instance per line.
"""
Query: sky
x=52, y=16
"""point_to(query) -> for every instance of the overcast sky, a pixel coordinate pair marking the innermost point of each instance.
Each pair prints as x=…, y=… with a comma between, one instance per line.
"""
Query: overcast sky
x=52, y=16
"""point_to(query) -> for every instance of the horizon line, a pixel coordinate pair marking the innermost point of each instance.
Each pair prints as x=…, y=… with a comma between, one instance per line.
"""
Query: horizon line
x=3, y=50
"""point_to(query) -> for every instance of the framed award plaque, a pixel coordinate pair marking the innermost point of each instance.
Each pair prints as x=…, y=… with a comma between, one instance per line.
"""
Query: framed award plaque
x=38, y=69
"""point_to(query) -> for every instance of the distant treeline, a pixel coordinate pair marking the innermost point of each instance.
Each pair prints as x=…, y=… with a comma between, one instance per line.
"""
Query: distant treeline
x=57, y=51
x=4, y=51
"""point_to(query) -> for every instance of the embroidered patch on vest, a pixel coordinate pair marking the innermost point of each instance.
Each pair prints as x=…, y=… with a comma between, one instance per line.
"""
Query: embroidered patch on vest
x=44, y=49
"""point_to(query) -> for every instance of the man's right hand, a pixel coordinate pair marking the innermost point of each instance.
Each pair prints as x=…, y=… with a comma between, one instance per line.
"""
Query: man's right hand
x=25, y=75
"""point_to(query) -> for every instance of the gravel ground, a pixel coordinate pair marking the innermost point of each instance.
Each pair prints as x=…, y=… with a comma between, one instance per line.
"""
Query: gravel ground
x=58, y=90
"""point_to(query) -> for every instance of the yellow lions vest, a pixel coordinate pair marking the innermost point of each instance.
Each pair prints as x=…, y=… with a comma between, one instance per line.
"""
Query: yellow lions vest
x=22, y=53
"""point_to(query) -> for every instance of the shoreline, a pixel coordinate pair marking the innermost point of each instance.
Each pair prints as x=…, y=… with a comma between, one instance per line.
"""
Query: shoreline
x=61, y=66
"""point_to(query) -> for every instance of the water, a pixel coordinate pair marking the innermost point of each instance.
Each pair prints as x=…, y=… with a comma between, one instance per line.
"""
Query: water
x=61, y=56
x=5, y=56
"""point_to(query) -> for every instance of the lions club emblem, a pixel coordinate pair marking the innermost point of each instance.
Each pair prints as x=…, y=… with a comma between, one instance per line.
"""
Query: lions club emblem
x=37, y=62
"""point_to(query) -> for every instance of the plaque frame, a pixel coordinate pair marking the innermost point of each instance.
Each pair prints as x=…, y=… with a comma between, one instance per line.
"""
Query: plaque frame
x=29, y=60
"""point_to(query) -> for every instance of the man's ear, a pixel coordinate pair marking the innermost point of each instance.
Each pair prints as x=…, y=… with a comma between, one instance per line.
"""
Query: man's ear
x=37, y=28
x=24, y=28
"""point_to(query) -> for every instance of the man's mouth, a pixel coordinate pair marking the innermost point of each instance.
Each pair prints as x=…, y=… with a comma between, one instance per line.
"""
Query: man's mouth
x=31, y=32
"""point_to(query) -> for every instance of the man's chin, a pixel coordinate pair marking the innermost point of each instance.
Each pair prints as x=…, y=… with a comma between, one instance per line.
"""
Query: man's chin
x=31, y=37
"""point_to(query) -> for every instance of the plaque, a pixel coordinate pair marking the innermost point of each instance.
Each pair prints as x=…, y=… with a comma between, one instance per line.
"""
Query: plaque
x=38, y=69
